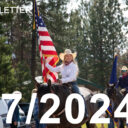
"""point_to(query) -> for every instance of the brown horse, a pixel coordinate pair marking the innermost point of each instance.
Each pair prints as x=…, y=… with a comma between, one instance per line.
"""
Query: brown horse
x=63, y=91
x=115, y=97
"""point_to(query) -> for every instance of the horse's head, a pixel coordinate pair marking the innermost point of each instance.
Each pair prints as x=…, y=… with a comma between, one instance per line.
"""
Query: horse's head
x=115, y=96
x=42, y=88
x=111, y=91
x=61, y=91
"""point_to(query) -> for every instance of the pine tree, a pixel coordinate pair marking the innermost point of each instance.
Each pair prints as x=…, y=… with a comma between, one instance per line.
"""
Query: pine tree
x=15, y=47
x=105, y=34
x=7, y=72
x=55, y=17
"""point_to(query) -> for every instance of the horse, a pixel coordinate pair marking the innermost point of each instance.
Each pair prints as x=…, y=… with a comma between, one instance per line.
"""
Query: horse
x=115, y=98
x=63, y=91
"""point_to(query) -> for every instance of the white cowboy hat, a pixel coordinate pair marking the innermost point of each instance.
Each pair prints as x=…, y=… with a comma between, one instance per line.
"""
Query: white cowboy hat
x=66, y=52
x=124, y=68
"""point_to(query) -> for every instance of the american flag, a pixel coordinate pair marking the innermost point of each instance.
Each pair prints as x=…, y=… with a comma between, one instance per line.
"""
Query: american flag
x=47, y=50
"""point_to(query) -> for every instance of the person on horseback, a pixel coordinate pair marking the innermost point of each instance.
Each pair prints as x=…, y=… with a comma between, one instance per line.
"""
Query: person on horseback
x=69, y=72
x=123, y=80
x=68, y=69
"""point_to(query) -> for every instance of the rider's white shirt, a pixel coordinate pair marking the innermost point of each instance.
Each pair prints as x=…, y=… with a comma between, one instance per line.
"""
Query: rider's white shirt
x=68, y=72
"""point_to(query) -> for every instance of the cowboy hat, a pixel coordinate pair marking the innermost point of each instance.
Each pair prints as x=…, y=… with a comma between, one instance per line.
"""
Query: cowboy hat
x=124, y=68
x=66, y=52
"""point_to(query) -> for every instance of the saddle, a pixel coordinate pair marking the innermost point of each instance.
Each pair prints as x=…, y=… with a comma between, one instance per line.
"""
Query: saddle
x=69, y=85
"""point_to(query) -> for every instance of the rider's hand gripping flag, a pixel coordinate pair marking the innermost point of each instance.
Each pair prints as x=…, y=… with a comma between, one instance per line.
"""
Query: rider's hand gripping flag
x=47, y=50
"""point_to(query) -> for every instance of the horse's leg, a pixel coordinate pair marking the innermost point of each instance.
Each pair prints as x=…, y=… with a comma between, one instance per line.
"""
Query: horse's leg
x=88, y=125
x=121, y=123
x=93, y=126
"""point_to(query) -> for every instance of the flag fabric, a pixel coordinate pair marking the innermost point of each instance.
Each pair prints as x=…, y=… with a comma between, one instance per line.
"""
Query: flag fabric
x=109, y=111
x=47, y=50
x=113, y=78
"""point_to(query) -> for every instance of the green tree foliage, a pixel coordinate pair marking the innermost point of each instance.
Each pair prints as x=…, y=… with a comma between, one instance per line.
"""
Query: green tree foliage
x=105, y=34
x=15, y=50
x=124, y=59
x=55, y=18
x=7, y=72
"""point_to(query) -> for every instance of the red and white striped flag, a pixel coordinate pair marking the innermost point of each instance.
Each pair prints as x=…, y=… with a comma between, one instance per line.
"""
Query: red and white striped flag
x=47, y=50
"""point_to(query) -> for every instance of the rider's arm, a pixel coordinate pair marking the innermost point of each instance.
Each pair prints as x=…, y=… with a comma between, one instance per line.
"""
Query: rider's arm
x=53, y=69
x=72, y=76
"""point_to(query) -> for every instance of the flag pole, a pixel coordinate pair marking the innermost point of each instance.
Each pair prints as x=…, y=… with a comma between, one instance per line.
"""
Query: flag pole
x=33, y=49
x=34, y=25
x=45, y=67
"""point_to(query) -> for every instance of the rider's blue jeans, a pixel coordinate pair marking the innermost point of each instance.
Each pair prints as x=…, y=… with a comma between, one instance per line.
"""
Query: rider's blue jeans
x=75, y=88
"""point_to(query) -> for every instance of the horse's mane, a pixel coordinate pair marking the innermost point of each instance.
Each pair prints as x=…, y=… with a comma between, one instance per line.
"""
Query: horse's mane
x=61, y=91
x=56, y=89
x=116, y=97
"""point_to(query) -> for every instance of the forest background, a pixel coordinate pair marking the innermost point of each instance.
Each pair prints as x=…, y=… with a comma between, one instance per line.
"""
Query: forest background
x=96, y=29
